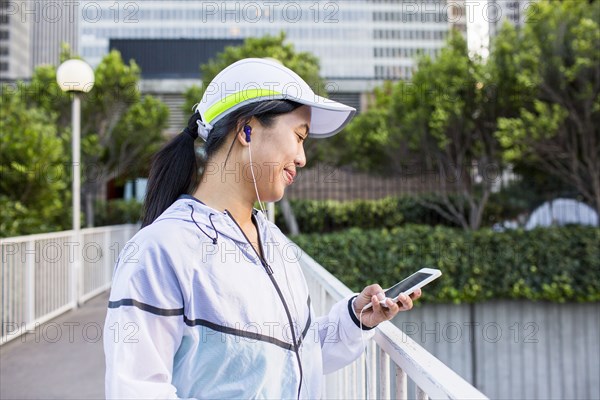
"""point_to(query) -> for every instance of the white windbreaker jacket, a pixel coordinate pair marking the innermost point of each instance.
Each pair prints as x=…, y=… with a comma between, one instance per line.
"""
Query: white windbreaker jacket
x=194, y=312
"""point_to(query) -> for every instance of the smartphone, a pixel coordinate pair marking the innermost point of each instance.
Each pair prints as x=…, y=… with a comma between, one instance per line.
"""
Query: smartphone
x=407, y=286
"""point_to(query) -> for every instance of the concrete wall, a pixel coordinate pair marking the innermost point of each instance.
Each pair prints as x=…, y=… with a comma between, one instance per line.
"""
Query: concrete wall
x=514, y=349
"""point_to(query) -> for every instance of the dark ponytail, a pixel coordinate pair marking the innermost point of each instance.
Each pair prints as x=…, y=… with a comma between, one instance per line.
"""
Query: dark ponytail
x=173, y=172
x=174, y=169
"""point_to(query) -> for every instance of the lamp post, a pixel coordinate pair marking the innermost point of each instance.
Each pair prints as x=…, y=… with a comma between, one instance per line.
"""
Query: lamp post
x=76, y=76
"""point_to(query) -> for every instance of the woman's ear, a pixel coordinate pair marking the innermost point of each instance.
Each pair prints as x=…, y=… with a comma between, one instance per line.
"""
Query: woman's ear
x=244, y=132
x=241, y=137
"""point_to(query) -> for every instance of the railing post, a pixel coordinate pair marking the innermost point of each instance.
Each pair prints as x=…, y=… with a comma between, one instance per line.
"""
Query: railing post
x=372, y=370
x=421, y=395
x=384, y=374
x=75, y=275
x=30, y=285
x=352, y=382
x=81, y=266
x=401, y=384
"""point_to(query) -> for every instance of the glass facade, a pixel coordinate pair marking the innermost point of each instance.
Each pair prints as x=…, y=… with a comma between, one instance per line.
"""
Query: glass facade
x=354, y=40
x=14, y=43
x=514, y=11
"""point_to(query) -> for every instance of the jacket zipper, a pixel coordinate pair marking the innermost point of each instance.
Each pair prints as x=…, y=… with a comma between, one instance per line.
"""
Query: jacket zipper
x=269, y=271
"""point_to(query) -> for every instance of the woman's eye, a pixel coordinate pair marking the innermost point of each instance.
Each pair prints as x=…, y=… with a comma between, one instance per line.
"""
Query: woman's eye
x=300, y=137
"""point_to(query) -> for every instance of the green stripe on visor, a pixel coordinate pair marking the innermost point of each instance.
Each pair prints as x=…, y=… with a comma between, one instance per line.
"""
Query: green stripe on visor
x=234, y=99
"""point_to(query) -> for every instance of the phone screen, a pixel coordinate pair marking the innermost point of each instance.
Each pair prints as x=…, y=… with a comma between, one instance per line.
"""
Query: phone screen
x=406, y=284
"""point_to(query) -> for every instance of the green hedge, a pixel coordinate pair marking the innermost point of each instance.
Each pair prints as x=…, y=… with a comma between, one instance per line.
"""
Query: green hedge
x=555, y=264
x=331, y=215
x=117, y=211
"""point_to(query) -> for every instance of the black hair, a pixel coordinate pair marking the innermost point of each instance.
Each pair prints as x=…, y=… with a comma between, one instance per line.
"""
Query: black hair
x=174, y=169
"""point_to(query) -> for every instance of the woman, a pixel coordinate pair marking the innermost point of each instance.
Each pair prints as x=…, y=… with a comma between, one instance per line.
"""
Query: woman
x=208, y=299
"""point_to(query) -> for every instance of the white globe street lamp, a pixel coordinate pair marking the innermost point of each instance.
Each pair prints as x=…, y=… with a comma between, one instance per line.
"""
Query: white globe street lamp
x=76, y=76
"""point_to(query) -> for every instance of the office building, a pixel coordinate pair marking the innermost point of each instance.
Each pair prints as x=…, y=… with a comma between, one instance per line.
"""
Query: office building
x=15, y=52
x=355, y=40
x=359, y=43
x=32, y=33
x=54, y=23
x=513, y=11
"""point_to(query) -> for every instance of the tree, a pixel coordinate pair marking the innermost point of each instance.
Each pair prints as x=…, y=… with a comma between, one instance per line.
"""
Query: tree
x=441, y=124
x=123, y=127
x=365, y=143
x=33, y=168
x=558, y=129
x=134, y=150
x=120, y=130
x=445, y=118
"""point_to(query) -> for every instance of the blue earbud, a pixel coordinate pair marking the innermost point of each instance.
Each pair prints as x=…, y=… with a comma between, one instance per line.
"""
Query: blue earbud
x=247, y=131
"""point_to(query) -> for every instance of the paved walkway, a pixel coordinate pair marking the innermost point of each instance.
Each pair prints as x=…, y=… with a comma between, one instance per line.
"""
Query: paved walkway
x=62, y=359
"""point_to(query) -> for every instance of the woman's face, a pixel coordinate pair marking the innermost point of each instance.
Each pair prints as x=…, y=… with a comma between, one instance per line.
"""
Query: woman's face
x=278, y=151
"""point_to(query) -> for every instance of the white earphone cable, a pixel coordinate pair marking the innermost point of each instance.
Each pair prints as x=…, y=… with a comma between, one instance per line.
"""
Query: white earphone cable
x=304, y=386
x=290, y=289
x=362, y=339
x=269, y=228
x=262, y=208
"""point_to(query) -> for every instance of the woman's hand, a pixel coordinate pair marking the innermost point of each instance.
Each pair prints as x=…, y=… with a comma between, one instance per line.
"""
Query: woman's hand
x=378, y=313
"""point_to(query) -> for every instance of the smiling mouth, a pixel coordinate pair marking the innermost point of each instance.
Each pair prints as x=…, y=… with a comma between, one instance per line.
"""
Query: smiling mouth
x=290, y=175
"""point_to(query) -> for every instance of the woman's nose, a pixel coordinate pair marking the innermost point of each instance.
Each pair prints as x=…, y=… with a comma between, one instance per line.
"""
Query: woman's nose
x=300, y=160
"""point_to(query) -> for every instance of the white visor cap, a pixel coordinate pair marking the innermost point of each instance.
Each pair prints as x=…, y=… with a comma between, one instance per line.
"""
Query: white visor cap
x=258, y=79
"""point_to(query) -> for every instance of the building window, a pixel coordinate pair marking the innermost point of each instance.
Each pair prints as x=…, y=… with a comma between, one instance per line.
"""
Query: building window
x=3, y=66
x=3, y=19
x=3, y=51
x=4, y=35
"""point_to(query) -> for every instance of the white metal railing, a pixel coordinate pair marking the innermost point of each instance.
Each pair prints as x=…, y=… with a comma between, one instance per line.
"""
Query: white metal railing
x=45, y=275
x=392, y=357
